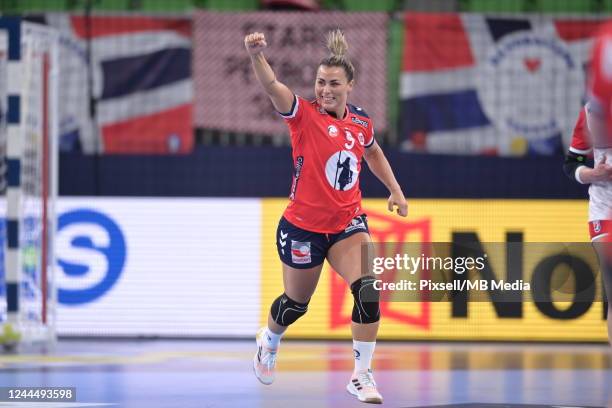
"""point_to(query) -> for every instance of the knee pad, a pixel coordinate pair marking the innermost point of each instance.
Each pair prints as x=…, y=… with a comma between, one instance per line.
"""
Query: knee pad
x=366, y=308
x=285, y=310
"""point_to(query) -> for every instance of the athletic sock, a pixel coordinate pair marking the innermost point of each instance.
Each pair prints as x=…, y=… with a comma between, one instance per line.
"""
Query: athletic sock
x=271, y=339
x=363, y=351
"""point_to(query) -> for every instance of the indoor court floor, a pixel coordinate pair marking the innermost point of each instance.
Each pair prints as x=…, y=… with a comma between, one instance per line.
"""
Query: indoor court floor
x=207, y=374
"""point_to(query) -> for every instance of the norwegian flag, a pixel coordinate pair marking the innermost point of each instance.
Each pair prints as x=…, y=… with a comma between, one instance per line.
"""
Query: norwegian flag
x=141, y=81
x=477, y=84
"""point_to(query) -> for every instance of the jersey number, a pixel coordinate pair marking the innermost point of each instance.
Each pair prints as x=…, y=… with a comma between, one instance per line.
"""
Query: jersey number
x=350, y=139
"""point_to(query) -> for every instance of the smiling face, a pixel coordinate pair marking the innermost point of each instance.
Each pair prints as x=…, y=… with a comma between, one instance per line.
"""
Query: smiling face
x=332, y=89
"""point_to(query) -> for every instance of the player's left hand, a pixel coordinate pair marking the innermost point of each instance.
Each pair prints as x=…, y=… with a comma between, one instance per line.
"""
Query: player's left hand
x=397, y=199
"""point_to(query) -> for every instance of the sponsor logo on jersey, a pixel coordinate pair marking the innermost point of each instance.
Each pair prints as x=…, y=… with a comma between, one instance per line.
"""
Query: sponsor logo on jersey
x=300, y=252
x=356, y=223
x=359, y=121
x=282, y=241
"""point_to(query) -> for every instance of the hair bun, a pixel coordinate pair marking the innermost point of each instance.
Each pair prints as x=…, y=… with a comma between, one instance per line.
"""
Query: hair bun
x=336, y=43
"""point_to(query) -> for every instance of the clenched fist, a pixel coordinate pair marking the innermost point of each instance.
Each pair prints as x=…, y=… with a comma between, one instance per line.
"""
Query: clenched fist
x=255, y=43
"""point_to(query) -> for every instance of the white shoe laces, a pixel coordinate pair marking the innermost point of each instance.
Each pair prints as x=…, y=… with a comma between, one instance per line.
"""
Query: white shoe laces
x=268, y=358
x=366, y=379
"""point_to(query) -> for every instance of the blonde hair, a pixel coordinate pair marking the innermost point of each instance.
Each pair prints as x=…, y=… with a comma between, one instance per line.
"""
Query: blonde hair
x=338, y=48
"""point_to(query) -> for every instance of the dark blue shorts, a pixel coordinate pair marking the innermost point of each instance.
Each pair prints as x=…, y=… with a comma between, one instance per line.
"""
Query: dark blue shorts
x=303, y=249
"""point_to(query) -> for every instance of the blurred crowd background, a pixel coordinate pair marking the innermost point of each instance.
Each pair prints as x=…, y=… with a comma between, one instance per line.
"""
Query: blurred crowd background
x=470, y=98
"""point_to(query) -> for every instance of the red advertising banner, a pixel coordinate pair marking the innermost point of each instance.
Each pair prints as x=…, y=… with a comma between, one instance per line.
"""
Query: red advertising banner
x=227, y=94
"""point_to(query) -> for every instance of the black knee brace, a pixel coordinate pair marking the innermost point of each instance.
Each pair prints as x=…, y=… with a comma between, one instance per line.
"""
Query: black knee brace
x=366, y=308
x=285, y=310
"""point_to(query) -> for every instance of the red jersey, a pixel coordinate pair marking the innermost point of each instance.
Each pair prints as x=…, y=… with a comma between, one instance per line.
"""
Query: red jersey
x=581, y=141
x=600, y=79
x=327, y=154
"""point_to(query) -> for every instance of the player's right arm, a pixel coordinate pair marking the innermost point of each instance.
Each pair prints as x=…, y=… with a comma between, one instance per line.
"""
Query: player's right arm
x=575, y=161
x=281, y=96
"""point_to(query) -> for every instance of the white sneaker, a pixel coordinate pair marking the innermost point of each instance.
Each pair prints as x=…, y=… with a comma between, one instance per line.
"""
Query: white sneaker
x=363, y=386
x=264, y=360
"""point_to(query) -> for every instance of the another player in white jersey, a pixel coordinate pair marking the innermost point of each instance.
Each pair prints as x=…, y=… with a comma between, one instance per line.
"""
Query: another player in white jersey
x=589, y=138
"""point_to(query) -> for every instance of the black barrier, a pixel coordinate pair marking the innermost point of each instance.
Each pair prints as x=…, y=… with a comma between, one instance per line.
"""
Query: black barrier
x=266, y=171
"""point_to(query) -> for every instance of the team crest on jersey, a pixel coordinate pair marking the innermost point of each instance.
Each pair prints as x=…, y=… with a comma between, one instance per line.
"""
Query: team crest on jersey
x=332, y=131
x=341, y=170
x=300, y=252
x=597, y=227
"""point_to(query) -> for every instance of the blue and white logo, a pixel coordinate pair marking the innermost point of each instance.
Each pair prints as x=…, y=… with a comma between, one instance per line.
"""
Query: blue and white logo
x=91, y=254
x=529, y=85
x=341, y=170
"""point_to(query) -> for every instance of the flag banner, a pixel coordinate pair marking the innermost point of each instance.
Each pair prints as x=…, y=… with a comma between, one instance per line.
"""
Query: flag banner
x=227, y=94
x=141, y=80
x=478, y=84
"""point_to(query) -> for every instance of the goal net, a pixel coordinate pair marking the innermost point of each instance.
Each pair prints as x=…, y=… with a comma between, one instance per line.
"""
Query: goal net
x=30, y=143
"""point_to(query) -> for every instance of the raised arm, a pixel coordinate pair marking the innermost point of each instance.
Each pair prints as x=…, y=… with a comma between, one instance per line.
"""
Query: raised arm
x=281, y=96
